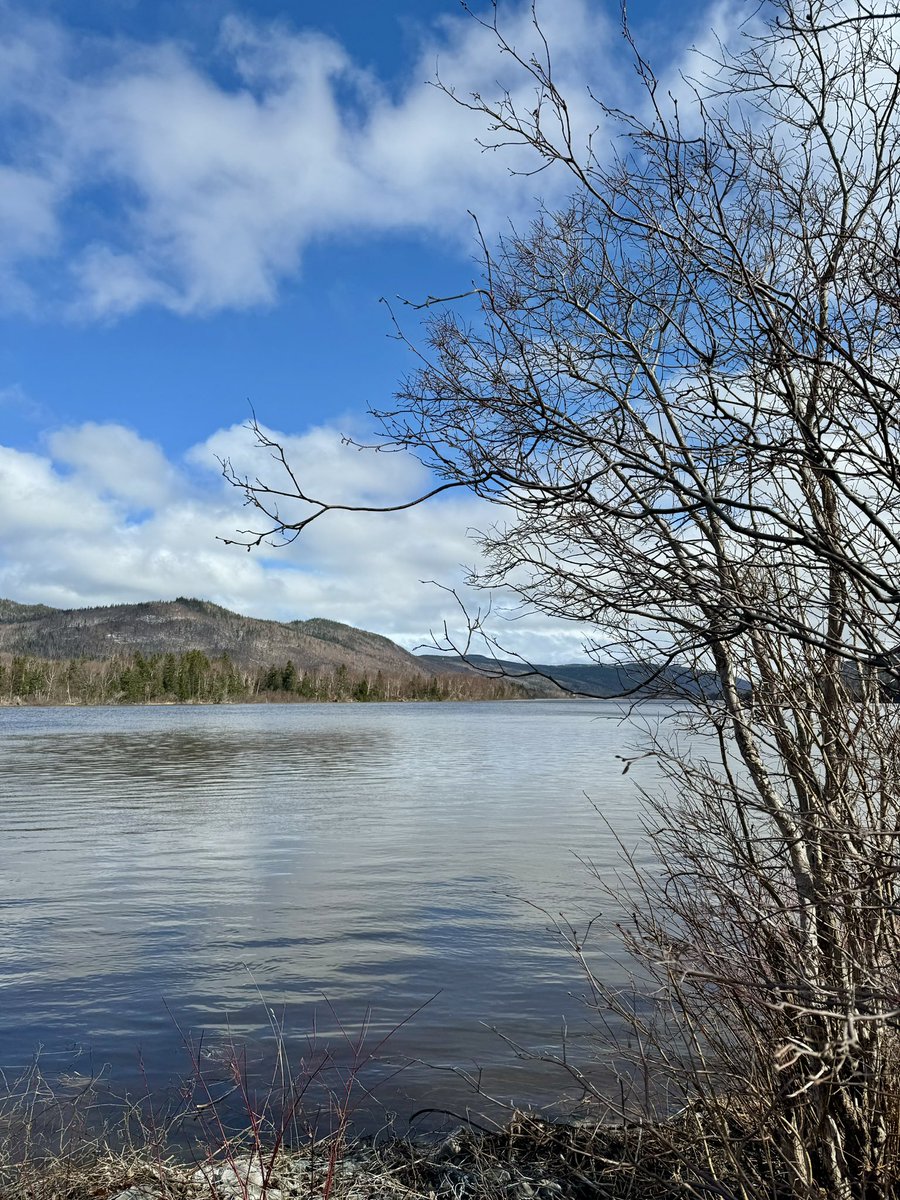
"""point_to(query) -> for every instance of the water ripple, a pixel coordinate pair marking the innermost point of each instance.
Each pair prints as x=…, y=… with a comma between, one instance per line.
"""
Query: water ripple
x=223, y=860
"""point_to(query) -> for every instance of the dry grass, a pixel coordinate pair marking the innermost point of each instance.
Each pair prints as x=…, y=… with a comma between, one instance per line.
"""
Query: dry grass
x=53, y=1146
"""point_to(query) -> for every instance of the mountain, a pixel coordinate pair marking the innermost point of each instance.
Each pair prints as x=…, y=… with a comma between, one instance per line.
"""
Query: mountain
x=599, y=680
x=176, y=626
x=158, y=627
x=10, y=611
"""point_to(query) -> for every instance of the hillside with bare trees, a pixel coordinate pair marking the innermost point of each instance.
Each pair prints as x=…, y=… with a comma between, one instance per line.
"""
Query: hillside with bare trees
x=192, y=651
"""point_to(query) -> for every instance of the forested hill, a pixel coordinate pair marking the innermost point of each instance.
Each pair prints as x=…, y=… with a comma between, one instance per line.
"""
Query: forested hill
x=193, y=651
x=177, y=626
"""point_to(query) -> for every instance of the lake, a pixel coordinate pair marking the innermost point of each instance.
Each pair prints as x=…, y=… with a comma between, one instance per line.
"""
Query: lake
x=174, y=877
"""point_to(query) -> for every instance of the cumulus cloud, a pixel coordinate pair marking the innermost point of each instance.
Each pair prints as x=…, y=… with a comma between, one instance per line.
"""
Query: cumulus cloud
x=103, y=517
x=157, y=183
x=208, y=193
x=113, y=461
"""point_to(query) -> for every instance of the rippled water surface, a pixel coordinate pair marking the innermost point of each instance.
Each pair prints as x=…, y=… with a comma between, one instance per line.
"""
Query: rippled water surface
x=195, y=868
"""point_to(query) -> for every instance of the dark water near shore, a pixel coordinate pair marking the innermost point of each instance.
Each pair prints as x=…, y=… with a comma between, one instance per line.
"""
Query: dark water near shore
x=206, y=867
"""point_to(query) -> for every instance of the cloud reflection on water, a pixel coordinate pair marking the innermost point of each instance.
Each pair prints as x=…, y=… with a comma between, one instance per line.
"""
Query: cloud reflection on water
x=208, y=857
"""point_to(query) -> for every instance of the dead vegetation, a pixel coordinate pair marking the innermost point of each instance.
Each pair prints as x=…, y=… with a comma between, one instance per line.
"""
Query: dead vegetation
x=529, y=1158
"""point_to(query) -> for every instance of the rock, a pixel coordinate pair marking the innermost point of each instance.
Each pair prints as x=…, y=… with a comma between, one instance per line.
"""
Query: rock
x=241, y=1179
x=451, y=1147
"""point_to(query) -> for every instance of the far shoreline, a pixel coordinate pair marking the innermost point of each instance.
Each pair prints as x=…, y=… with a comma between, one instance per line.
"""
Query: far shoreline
x=302, y=701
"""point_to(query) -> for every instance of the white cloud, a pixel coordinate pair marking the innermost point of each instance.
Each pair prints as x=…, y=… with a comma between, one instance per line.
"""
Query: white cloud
x=112, y=460
x=27, y=202
x=29, y=230
x=209, y=194
x=103, y=517
x=110, y=283
x=38, y=503
x=153, y=182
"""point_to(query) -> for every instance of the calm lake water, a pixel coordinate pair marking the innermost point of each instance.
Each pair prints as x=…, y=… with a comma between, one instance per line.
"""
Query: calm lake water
x=178, y=874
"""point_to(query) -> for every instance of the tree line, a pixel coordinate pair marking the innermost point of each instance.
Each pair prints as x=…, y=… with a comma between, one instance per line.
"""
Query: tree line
x=194, y=677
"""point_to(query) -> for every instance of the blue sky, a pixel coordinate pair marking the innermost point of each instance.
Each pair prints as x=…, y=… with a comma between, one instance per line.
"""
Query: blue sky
x=201, y=205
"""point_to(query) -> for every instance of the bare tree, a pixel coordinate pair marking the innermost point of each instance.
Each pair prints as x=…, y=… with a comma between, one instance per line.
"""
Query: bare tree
x=682, y=392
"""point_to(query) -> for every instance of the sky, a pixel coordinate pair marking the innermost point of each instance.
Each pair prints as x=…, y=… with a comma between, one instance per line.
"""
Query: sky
x=202, y=206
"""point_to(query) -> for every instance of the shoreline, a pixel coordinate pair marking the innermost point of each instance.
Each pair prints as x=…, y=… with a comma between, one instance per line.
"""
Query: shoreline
x=528, y=1158
x=287, y=703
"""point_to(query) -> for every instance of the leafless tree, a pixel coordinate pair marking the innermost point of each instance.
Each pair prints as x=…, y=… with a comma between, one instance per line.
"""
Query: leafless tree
x=682, y=393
